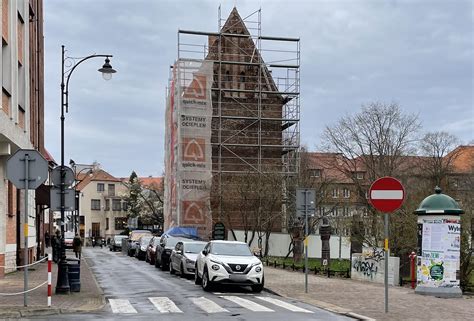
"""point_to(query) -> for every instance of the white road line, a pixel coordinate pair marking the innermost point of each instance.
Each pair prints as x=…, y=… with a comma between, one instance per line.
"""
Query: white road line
x=284, y=304
x=165, y=305
x=121, y=306
x=208, y=305
x=250, y=305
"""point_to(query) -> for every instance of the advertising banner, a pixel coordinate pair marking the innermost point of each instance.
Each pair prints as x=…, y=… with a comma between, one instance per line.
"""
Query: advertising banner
x=438, y=265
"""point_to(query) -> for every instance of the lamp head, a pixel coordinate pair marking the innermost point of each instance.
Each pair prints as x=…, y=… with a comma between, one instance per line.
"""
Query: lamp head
x=107, y=70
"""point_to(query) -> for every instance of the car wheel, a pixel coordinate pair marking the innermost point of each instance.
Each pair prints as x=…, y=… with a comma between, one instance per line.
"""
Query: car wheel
x=164, y=267
x=110, y=249
x=181, y=271
x=197, y=279
x=257, y=288
x=206, y=284
x=146, y=258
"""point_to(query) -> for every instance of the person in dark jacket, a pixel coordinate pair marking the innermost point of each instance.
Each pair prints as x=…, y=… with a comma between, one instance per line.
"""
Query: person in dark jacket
x=47, y=239
x=77, y=246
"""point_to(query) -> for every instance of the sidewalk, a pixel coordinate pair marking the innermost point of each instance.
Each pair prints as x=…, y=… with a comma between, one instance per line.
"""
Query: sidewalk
x=361, y=299
x=89, y=299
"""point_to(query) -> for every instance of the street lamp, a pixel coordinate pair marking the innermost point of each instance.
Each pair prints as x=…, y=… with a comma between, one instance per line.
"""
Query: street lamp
x=62, y=285
x=90, y=170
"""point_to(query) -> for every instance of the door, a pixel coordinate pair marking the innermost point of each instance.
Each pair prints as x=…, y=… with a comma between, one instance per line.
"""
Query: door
x=95, y=229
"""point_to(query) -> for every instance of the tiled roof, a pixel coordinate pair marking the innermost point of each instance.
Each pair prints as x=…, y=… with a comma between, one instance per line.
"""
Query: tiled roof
x=464, y=161
x=153, y=182
x=97, y=175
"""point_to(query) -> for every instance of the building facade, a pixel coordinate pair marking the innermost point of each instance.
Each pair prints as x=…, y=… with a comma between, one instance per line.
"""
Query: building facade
x=21, y=120
x=102, y=209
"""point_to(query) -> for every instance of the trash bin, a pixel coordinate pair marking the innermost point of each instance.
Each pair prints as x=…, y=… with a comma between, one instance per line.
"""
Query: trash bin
x=74, y=274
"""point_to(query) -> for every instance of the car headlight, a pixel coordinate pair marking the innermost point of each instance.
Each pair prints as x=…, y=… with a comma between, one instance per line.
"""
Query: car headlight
x=188, y=261
x=258, y=269
x=215, y=267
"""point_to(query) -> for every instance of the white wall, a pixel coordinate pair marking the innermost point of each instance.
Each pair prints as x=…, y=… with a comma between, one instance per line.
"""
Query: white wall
x=279, y=242
x=371, y=268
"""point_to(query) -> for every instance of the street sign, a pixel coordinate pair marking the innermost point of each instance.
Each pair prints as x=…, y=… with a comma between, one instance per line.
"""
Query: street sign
x=386, y=194
x=37, y=169
x=68, y=176
x=218, y=232
x=69, y=199
x=305, y=201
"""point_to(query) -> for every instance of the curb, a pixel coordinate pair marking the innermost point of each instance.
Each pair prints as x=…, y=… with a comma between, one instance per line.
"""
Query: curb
x=327, y=307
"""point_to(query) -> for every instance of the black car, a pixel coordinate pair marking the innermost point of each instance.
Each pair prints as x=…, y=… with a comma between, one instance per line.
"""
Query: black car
x=163, y=250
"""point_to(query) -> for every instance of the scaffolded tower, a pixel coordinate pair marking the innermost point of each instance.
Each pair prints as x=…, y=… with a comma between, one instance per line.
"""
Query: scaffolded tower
x=254, y=116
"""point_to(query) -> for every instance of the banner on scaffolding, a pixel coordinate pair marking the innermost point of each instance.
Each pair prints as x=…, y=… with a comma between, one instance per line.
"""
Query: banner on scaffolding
x=188, y=161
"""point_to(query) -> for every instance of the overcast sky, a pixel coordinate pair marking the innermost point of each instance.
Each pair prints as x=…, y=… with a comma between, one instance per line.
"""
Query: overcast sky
x=416, y=53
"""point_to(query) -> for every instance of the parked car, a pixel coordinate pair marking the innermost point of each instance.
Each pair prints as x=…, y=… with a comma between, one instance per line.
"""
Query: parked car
x=151, y=250
x=228, y=262
x=116, y=242
x=183, y=257
x=140, y=251
x=134, y=239
x=163, y=250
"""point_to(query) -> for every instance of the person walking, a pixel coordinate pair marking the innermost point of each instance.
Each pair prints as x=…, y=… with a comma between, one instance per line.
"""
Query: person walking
x=47, y=239
x=77, y=246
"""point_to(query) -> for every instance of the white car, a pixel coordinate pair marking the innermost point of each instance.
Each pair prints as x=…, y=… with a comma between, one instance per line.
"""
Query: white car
x=228, y=262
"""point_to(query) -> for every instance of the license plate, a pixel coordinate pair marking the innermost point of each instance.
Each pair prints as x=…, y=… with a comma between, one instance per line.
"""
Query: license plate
x=238, y=277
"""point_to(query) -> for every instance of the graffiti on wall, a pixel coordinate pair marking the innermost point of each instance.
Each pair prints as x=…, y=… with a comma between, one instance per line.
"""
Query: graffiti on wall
x=368, y=264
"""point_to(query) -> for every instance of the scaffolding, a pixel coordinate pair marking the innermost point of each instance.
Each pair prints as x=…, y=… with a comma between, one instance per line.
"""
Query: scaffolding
x=255, y=102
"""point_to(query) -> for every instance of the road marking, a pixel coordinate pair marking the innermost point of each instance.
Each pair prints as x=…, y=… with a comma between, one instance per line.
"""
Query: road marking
x=250, y=305
x=165, y=305
x=284, y=304
x=208, y=305
x=121, y=306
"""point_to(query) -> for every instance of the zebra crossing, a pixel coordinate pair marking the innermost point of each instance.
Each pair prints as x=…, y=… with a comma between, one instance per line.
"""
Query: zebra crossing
x=166, y=305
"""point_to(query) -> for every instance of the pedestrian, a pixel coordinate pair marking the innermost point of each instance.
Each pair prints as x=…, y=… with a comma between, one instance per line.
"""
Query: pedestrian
x=47, y=239
x=77, y=246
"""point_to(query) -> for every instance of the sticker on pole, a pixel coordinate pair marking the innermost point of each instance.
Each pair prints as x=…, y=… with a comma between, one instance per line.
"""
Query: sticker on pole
x=386, y=194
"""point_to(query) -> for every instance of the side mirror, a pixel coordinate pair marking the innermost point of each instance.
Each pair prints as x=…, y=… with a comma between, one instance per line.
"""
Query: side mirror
x=204, y=252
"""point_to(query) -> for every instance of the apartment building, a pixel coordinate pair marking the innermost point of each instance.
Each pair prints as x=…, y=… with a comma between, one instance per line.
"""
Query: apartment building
x=21, y=121
x=102, y=208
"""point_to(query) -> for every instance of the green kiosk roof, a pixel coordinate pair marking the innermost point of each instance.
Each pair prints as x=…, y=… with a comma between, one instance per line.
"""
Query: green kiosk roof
x=439, y=203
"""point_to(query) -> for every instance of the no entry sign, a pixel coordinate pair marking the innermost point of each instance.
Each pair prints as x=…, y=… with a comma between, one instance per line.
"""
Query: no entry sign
x=386, y=194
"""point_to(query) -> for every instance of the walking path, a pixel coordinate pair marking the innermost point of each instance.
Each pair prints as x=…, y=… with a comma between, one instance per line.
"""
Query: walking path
x=361, y=299
x=89, y=299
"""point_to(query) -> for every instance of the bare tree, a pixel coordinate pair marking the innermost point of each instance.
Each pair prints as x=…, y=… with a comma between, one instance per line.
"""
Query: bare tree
x=373, y=141
x=440, y=153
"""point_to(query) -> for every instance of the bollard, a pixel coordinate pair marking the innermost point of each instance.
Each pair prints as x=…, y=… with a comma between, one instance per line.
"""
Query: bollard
x=49, y=278
x=412, y=269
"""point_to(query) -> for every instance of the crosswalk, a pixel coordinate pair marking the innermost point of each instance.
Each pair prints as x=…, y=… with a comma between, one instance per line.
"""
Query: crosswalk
x=166, y=305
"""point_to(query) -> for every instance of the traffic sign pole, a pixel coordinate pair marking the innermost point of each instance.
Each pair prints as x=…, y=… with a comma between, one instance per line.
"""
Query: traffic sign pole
x=306, y=232
x=387, y=195
x=25, y=232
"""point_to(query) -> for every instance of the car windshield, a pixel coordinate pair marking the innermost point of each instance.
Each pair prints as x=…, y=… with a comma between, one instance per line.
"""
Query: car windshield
x=145, y=239
x=193, y=247
x=232, y=249
x=136, y=236
x=120, y=237
x=171, y=242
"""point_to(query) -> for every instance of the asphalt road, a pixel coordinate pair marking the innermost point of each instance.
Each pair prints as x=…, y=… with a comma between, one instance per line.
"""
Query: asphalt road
x=137, y=290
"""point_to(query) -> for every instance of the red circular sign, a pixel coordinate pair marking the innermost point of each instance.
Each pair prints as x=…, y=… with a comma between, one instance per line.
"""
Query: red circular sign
x=386, y=194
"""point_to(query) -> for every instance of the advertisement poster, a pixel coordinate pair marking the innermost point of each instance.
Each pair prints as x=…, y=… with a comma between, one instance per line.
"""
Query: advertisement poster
x=438, y=264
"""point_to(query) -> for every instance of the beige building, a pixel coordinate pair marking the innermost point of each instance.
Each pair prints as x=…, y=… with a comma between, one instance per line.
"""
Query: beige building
x=102, y=209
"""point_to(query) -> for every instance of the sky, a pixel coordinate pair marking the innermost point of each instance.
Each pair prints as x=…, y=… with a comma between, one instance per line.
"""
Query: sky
x=417, y=53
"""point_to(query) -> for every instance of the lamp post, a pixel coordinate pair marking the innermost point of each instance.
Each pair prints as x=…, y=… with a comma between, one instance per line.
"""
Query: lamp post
x=77, y=181
x=62, y=285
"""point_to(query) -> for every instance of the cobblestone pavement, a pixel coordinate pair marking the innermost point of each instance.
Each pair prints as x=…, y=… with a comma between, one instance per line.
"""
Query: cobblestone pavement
x=90, y=298
x=366, y=299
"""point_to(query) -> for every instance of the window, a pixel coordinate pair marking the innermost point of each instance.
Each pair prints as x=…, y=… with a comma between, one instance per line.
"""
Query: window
x=106, y=223
x=335, y=193
x=111, y=189
x=345, y=211
x=242, y=77
x=21, y=117
x=315, y=172
x=116, y=204
x=95, y=205
x=360, y=175
x=120, y=223
x=107, y=204
x=346, y=193
x=100, y=187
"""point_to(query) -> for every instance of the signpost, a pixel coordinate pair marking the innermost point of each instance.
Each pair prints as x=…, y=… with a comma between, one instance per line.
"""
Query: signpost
x=26, y=169
x=387, y=195
x=305, y=204
x=218, y=232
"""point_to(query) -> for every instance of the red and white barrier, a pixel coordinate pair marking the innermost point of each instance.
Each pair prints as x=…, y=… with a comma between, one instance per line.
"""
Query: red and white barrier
x=49, y=278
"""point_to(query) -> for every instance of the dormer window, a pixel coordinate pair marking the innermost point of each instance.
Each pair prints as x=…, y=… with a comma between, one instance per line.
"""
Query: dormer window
x=315, y=172
x=360, y=175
